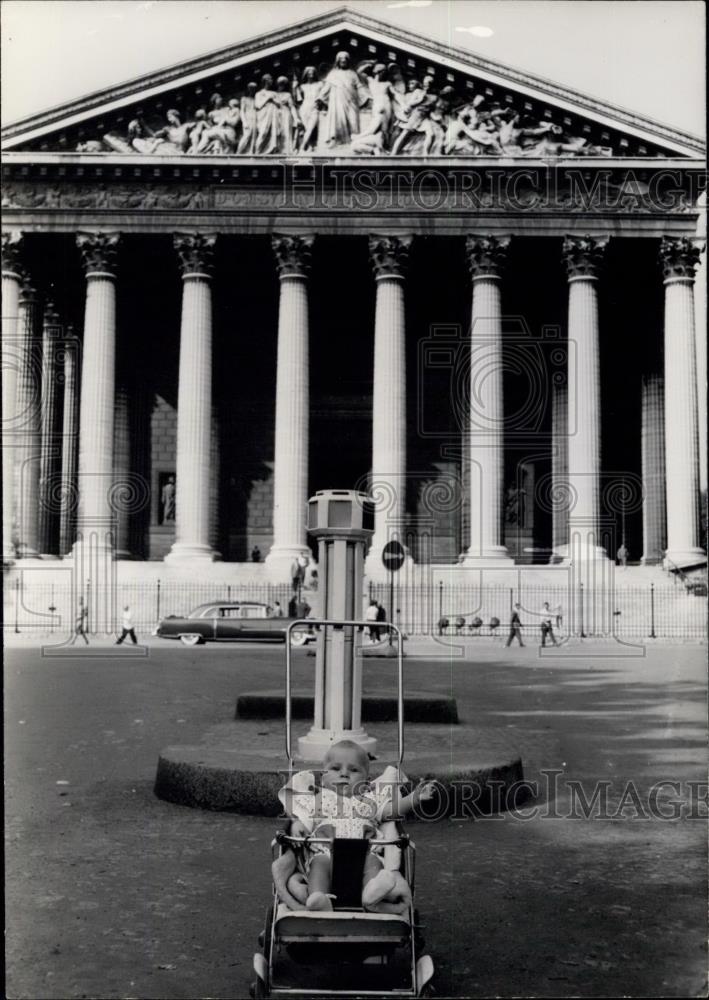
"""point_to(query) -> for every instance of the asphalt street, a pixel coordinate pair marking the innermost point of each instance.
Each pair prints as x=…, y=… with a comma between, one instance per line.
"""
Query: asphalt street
x=113, y=893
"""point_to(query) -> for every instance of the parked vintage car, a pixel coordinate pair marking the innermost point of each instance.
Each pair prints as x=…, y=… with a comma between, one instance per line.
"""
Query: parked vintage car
x=230, y=621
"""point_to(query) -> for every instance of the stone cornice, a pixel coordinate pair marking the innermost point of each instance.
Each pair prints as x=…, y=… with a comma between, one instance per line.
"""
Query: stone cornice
x=343, y=19
x=195, y=252
x=389, y=255
x=680, y=257
x=486, y=255
x=99, y=252
x=583, y=256
x=293, y=253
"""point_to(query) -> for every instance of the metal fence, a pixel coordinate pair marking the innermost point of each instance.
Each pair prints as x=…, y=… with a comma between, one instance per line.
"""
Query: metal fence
x=31, y=606
x=632, y=612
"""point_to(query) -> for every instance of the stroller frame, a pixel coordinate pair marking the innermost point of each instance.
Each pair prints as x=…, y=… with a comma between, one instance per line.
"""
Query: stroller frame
x=384, y=950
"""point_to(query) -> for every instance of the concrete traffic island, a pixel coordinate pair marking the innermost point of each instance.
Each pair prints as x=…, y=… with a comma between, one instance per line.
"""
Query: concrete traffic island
x=240, y=768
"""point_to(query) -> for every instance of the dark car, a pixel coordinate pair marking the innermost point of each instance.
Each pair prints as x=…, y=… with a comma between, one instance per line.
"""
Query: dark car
x=230, y=621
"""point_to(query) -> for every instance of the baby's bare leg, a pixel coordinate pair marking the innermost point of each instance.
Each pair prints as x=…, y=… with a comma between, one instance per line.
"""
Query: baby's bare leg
x=377, y=882
x=319, y=880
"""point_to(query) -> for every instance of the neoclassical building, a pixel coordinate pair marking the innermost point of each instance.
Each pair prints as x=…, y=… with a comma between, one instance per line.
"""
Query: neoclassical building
x=341, y=256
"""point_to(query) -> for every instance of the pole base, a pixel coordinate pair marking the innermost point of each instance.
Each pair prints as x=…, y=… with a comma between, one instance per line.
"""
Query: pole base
x=315, y=745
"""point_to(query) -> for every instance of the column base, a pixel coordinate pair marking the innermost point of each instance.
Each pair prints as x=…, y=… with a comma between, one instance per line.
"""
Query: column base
x=315, y=745
x=584, y=554
x=684, y=559
x=280, y=559
x=494, y=557
x=182, y=554
x=49, y=556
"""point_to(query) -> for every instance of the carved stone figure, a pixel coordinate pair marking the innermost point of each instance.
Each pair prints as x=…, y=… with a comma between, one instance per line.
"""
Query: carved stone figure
x=306, y=98
x=167, y=499
x=247, y=109
x=345, y=95
x=287, y=117
x=383, y=96
x=416, y=108
x=267, y=117
x=321, y=112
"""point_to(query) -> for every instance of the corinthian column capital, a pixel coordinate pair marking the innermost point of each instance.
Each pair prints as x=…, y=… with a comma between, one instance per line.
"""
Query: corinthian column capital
x=195, y=252
x=583, y=256
x=389, y=255
x=12, y=253
x=486, y=255
x=292, y=255
x=679, y=257
x=99, y=252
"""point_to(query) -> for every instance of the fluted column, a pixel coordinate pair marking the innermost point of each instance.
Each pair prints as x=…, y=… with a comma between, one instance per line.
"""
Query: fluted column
x=11, y=281
x=679, y=258
x=70, y=429
x=389, y=257
x=122, y=470
x=290, y=476
x=486, y=257
x=95, y=477
x=559, y=471
x=583, y=257
x=50, y=455
x=653, y=469
x=194, y=402
x=29, y=410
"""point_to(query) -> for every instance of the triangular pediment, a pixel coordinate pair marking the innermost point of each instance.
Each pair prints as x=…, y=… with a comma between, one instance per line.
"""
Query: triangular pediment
x=376, y=103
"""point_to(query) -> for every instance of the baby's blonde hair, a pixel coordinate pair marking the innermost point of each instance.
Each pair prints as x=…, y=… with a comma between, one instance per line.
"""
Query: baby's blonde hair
x=362, y=754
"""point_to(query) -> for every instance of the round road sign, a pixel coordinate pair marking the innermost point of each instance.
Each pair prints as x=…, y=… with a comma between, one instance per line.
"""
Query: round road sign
x=393, y=556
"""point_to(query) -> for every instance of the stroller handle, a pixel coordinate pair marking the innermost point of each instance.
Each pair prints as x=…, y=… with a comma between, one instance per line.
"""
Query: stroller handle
x=340, y=623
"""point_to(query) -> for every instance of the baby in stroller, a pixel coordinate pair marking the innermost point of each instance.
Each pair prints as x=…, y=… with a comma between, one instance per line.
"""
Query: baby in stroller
x=345, y=804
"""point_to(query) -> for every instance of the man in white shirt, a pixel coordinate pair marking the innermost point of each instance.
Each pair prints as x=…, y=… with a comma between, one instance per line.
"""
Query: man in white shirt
x=128, y=627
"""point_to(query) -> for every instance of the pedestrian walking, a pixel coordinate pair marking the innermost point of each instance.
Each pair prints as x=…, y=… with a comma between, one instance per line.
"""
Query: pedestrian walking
x=371, y=615
x=128, y=629
x=381, y=617
x=515, y=626
x=82, y=620
x=277, y=610
x=256, y=554
x=622, y=555
x=547, y=627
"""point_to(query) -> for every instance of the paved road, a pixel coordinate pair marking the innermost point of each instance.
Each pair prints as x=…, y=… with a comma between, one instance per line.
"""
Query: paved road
x=112, y=893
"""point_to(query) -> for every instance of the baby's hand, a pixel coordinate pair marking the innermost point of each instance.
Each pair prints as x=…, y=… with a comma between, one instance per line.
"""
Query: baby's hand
x=425, y=790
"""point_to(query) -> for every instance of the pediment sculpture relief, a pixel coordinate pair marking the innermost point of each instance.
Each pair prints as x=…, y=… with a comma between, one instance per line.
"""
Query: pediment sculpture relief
x=371, y=110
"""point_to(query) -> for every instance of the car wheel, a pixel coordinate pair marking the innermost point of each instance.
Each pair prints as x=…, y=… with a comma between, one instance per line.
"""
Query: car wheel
x=298, y=637
x=192, y=639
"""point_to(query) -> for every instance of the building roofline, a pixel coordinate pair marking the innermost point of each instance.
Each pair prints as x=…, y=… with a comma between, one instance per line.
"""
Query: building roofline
x=354, y=20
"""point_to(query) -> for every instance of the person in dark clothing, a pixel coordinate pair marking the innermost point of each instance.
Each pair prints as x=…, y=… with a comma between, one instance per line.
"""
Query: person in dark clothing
x=515, y=626
x=381, y=617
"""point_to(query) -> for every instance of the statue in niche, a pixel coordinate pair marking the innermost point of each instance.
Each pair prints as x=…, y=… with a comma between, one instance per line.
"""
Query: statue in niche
x=514, y=506
x=247, y=110
x=344, y=94
x=267, y=117
x=167, y=500
x=305, y=94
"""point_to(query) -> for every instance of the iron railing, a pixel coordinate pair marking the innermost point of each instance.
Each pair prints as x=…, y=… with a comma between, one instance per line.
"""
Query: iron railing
x=35, y=607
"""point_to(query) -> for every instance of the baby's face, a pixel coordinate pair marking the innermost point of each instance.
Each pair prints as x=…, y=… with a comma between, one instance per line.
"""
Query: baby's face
x=344, y=771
